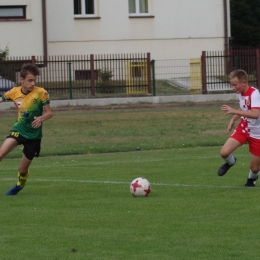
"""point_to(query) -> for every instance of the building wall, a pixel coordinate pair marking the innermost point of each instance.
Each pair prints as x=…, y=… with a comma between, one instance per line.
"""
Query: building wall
x=179, y=29
x=23, y=37
x=159, y=49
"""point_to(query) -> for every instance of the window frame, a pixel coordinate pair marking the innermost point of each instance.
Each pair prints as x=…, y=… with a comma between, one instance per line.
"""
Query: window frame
x=83, y=8
x=137, y=9
x=22, y=7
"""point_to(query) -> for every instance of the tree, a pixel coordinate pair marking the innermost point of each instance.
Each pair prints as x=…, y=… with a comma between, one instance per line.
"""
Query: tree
x=245, y=22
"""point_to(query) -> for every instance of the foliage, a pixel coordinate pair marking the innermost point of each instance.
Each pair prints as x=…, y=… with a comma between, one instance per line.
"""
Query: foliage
x=4, y=53
x=105, y=76
x=245, y=21
x=7, y=70
x=105, y=84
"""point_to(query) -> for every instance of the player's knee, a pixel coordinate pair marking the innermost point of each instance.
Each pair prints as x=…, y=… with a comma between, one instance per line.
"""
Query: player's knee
x=254, y=169
x=224, y=153
x=1, y=156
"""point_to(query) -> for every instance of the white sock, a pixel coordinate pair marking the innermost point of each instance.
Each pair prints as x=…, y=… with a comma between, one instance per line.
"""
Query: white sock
x=251, y=175
x=230, y=159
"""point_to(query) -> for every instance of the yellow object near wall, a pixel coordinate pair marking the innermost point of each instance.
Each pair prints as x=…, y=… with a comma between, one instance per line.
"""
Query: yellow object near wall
x=136, y=77
x=195, y=76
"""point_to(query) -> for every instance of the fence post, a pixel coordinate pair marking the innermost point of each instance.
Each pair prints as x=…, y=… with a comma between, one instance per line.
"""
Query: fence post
x=70, y=79
x=33, y=60
x=153, y=77
x=258, y=68
x=236, y=62
x=149, y=72
x=204, y=73
x=92, y=75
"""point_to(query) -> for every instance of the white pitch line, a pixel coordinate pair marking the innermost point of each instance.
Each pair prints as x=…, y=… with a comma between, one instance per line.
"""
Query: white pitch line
x=73, y=163
x=125, y=183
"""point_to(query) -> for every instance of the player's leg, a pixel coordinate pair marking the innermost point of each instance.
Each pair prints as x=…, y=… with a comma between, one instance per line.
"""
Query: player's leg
x=31, y=150
x=254, y=171
x=23, y=174
x=226, y=153
x=254, y=148
x=8, y=145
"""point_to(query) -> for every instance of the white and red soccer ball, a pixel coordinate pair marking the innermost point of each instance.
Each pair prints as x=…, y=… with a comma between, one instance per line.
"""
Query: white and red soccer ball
x=140, y=187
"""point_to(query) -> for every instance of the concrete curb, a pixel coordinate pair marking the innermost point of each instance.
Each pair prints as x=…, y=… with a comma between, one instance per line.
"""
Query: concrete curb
x=133, y=100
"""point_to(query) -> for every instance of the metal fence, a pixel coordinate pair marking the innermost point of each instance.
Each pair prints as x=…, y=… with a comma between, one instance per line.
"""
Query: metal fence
x=216, y=67
x=206, y=74
x=177, y=77
x=86, y=76
x=121, y=75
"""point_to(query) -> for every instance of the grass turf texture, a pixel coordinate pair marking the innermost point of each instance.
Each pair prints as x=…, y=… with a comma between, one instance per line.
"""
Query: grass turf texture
x=115, y=130
x=82, y=203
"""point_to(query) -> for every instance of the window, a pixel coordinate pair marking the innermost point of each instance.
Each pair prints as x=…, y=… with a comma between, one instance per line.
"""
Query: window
x=13, y=12
x=84, y=8
x=138, y=7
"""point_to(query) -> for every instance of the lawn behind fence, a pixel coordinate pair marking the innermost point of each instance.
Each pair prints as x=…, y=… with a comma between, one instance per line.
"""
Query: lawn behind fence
x=77, y=203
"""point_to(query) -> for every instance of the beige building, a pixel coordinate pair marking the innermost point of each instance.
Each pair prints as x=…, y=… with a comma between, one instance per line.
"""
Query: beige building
x=168, y=29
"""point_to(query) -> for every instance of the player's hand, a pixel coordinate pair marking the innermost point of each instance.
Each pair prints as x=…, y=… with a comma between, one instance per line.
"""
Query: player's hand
x=229, y=128
x=37, y=122
x=228, y=110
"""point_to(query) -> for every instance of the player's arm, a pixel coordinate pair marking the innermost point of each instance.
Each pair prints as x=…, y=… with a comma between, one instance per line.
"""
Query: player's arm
x=3, y=98
x=253, y=113
x=234, y=118
x=231, y=123
x=7, y=96
x=47, y=115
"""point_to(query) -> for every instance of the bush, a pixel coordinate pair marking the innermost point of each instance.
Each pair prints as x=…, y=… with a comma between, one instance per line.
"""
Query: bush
x=7, y=69
x=105, y=84
x=4, y=53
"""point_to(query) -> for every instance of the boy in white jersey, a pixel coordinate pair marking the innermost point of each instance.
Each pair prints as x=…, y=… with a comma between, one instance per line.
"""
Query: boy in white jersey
x=248, y=129
x=27, y=131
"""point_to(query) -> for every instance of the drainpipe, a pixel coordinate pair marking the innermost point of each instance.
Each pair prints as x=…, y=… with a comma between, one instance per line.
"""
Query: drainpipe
x=226, y=44
x=44, y=31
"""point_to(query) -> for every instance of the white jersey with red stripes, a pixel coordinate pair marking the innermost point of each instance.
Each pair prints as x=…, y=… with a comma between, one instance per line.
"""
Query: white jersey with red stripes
x=247, y=101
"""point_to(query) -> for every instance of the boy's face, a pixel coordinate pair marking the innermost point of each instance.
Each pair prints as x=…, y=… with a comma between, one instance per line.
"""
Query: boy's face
x=240, y=87
x=28, y=83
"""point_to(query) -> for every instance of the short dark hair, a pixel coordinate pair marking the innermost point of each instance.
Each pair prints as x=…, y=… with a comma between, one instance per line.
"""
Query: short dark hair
x=239, y=74
x=29, y=68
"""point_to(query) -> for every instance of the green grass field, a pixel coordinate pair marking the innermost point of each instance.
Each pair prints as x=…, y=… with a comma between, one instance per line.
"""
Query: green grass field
x=80, y=201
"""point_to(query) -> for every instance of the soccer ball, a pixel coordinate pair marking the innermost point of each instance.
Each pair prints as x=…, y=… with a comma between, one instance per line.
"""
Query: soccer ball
x=140, y=187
